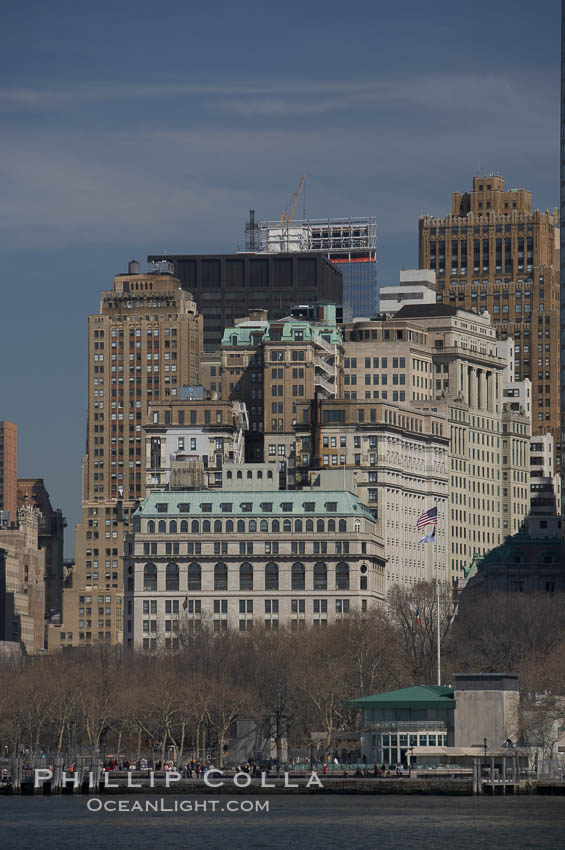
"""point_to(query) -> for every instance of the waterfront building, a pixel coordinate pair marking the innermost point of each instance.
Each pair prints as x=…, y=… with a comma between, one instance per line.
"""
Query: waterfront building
x=239, y=558
x=427, y=724
x=228, y=286
x=143, y=346
x=494, y=253
x=396, y=722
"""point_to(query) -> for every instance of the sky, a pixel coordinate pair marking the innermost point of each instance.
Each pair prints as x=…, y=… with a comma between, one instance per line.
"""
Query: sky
x=128, y=128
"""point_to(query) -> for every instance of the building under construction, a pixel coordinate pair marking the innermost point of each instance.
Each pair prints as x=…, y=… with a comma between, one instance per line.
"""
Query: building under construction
x=350, y=243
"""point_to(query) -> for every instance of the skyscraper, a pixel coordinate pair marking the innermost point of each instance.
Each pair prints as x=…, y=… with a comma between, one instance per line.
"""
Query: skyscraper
x=143, y=345
x=494, y=253
x=227, y=286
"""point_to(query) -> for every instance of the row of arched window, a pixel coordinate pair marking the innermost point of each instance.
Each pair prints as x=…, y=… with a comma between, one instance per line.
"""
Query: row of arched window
x=218, y=527
x=297, y=576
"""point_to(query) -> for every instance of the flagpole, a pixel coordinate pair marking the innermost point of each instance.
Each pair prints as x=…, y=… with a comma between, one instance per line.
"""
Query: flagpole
x=437, y=608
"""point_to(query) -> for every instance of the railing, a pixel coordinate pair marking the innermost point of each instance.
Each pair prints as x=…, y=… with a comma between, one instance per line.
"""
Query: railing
x=318, y=340
x=323, y=364
x=407, y=725
x=329, y=388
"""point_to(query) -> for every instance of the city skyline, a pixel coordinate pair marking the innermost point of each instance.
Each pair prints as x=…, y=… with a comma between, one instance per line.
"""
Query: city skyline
x=94, y=179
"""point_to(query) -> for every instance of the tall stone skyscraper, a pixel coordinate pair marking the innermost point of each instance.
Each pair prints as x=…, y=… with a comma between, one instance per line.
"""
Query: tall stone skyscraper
x=143, y=345
x=494, y=252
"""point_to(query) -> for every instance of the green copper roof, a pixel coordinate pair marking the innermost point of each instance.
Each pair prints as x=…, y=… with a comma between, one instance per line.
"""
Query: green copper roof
x=284, y=503
x=242, y=335
x=418, y=696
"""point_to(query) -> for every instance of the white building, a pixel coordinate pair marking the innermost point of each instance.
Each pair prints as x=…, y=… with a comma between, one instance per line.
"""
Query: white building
x=417, y=286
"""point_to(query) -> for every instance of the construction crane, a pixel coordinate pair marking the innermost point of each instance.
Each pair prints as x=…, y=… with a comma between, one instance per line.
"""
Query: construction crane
x=288, y=212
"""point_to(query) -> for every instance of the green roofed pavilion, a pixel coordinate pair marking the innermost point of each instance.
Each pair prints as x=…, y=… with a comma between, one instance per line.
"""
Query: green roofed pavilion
x=418, y=697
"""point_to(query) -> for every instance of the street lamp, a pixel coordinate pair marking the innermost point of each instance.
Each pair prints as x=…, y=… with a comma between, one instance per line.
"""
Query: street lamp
x=485, y=744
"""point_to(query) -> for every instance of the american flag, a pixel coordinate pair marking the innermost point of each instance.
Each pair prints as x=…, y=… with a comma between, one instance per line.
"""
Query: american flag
x=427, y=518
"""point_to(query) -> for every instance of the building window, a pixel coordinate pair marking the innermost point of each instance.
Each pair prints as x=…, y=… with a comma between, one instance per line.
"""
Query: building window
x=172, y=577
x=246, y=576
x=150, y=577
x=194, y=577
x=342, y=576
x=298, y=577
x=220, y=577
x=271, y=577
x=320, y=576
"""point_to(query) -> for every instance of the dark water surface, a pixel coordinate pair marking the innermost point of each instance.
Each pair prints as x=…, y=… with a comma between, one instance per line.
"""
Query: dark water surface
x=443, y=823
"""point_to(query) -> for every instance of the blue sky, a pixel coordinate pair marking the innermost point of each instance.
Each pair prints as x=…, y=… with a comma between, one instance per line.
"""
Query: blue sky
x=132, y=127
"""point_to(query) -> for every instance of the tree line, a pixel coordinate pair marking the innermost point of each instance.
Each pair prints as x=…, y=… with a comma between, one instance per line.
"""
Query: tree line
x=107, y=699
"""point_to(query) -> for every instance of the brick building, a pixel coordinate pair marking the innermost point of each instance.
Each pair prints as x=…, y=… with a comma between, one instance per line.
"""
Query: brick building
x=494, y=252
x=143, y=345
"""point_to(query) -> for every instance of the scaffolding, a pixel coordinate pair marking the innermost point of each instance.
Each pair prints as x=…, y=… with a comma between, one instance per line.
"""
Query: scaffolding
x=348, y=237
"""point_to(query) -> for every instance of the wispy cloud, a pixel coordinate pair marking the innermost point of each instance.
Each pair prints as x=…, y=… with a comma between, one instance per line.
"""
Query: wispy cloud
x=290, y=96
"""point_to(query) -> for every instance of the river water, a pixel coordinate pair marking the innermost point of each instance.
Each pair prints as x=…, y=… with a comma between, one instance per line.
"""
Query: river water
x=310, y=822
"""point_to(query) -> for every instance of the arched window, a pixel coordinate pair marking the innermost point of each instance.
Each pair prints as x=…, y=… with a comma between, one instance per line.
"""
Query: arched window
x=264, y=525
x=150, y=577
x=194, y=526
x=183, y=526
x=173, y=526
x=239, y=475
x=320, y=525
x=246, y=576
x=229, y=525
x=162, y=525
x=297, y=577
x=218, y=525
x=220, y=577
x=342, y=525
x=331, y=525
x=276, y=525
x=206, y=525
x=194, y=577
x=298, y=525
x=357, y=525
x=286, y=525
x=252, y=525
x=172, y=577
x=240, y=526
x=271, y=577
x=320, y=576
x=309, y=525
x=151, y=527
x=342, y=576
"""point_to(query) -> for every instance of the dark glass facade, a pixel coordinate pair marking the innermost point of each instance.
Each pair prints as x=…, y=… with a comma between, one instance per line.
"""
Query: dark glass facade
x=360, y=293
x=226, y=286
